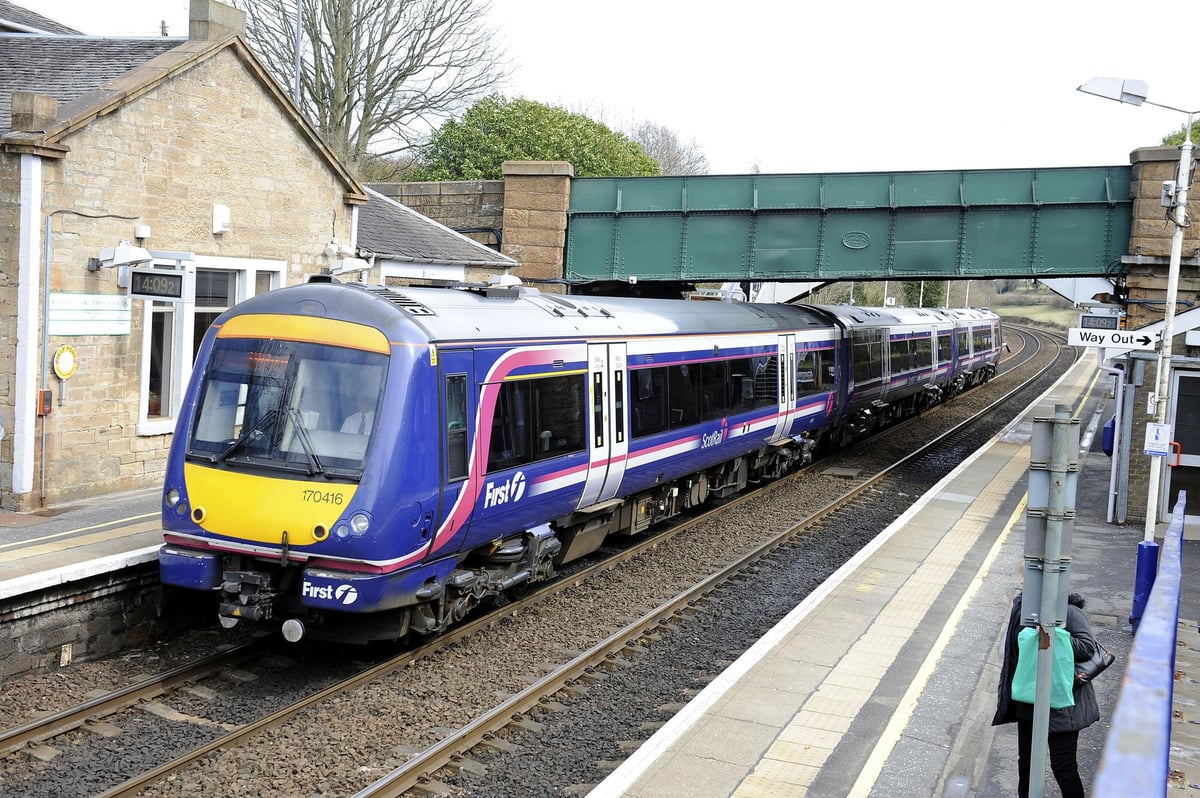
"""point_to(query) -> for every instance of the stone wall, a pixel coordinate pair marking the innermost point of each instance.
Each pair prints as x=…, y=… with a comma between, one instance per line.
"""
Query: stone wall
x=1150, y=237
x=528, y=208
x=94, y=618
x=462, y=205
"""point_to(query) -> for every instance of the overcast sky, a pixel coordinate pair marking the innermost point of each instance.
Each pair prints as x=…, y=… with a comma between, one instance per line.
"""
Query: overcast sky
x=796, y=86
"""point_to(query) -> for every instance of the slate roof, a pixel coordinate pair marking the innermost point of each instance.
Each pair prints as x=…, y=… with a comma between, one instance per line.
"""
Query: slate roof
x=36, y=63
x=396, y=232
x=17, y=19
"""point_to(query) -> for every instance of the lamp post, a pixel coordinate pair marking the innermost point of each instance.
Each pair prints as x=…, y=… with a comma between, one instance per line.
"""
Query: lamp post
x=1133, y=92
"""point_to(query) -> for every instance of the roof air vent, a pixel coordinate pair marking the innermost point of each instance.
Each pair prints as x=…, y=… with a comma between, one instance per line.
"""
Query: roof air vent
x=406, y=302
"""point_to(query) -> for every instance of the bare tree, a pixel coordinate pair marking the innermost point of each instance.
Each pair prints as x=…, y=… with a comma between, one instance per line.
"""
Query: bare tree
x=376, y=75
x=673, y=156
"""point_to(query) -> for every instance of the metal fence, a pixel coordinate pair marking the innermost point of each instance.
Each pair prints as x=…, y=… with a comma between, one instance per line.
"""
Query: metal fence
x=1137, y=751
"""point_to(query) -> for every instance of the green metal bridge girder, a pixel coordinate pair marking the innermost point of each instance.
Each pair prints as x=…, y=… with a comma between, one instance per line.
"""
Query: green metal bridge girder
x=1059, y=222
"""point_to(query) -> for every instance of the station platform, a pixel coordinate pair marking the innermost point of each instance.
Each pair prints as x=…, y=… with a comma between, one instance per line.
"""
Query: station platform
x=77, y=541
x=883, y=681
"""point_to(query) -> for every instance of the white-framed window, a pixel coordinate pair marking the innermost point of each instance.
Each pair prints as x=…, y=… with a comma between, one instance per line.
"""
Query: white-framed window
x=172, y=331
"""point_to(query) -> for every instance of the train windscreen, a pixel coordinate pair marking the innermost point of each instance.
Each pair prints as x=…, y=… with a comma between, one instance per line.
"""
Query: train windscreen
x=290, y=406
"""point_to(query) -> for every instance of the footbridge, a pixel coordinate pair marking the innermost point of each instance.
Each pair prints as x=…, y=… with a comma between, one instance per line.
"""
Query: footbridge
x=943, y=225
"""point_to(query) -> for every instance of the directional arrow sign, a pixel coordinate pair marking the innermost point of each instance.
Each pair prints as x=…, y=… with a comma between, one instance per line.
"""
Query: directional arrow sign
x=1112, y=339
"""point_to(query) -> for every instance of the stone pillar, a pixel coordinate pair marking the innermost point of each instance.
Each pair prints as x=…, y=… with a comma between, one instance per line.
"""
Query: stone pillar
x=536, y=197
x=1150, y=238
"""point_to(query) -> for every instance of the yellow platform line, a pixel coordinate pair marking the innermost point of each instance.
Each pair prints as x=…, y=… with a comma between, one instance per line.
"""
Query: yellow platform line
x=23, y=544
x=82, y=540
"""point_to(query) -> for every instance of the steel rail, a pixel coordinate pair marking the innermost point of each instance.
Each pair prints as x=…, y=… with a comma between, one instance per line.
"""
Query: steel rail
x=65, y=720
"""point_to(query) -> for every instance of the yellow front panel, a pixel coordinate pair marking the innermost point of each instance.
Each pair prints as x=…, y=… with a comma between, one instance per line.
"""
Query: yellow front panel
x=306, y=328
x=257, y=508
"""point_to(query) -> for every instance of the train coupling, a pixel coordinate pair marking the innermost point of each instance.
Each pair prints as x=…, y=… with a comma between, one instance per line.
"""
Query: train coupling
x=245, y=594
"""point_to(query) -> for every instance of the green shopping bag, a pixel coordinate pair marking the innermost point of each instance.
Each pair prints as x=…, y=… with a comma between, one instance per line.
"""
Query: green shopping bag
x=1024, y=683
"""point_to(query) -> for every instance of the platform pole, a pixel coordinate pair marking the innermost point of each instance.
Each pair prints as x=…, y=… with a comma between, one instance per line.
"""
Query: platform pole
x=1053, y=473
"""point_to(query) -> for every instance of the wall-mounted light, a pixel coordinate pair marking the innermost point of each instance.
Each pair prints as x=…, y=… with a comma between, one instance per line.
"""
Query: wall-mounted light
x=221, y=219
x=120, y=257
x=336, y=249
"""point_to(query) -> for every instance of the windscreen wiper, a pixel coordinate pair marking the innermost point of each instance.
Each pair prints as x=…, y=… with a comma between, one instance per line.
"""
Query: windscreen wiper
x=314, y=462
x=254, y=432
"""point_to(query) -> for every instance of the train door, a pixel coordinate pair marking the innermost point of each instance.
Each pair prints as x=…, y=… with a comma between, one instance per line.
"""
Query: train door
x=608, y=424
x=459, y=400
x=787, y=386
x=1185, y=422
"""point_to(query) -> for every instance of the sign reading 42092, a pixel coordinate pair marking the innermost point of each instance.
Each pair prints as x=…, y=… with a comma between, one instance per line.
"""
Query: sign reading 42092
x=157, y=284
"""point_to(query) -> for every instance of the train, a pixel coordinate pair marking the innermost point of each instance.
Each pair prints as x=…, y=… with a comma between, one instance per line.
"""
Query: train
x=362, y=463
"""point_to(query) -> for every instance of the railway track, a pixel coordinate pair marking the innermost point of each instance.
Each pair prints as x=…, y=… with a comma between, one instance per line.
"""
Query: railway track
x=602, y=654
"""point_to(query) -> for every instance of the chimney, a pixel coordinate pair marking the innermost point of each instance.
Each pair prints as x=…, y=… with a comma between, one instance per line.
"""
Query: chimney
x=209, y=20
x=33, y=113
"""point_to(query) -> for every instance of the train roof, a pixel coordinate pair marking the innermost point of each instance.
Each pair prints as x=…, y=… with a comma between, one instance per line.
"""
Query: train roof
x=448, y=314
x=507, y=312
x=857, y=315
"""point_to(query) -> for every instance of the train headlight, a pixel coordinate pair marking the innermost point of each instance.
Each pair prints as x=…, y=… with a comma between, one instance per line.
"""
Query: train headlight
x=357, y=527
x=173, y=497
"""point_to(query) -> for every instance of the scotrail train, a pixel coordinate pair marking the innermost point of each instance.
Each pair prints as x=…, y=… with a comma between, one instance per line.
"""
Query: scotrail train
x=362, y=463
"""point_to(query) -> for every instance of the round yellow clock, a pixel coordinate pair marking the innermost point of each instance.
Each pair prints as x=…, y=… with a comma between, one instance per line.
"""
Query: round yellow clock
x=65, y=362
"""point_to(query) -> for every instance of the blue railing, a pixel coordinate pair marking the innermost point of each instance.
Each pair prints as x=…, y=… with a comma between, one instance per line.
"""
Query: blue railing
x=1137, y=751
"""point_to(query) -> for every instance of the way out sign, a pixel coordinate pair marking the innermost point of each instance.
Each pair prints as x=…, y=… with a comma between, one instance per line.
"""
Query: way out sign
x=1112, y=339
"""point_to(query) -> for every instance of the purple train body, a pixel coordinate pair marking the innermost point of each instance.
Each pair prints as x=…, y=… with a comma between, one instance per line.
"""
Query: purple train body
x=357, y=463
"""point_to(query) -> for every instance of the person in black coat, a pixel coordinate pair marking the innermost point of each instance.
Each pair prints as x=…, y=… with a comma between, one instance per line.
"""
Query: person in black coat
x=1065, y=724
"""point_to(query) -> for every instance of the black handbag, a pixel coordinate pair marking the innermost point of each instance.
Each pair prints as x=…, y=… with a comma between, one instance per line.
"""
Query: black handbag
x=1089, y=669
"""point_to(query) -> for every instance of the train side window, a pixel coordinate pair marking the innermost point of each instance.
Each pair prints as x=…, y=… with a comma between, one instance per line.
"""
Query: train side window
x=536, y=419
x=715, y=388
x=685, y=409
x=648, y=414
x=766, y=376
x=944, y=351
x=510, y=434
x=456, y=426
x=922, y=352
x=809, y=373
x=557, y=411
x=867, y=355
